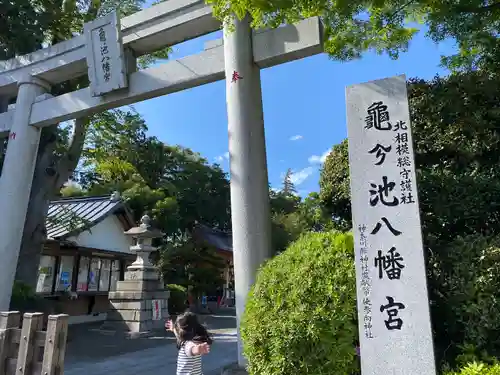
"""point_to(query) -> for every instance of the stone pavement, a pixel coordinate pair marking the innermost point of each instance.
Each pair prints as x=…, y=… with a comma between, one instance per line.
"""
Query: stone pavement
x=90, y=352
x=157, y=360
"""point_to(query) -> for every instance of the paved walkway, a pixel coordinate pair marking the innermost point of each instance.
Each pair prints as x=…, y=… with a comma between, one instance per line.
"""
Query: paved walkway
x=90, y=352
x=157, y=360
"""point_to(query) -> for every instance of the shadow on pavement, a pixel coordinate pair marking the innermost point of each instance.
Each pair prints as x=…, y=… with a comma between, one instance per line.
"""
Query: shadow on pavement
x=87, y=342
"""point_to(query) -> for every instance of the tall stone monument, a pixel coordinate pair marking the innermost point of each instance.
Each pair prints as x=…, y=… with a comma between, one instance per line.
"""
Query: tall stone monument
x=139, y=304
x=393, y=306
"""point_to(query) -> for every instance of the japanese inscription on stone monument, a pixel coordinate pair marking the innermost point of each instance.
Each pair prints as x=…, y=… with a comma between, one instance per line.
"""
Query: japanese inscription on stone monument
x=105, y=56
x=393, y=307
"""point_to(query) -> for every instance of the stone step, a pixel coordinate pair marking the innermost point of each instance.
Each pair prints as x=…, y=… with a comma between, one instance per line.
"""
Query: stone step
x=142, y=275
x=134, y=315
x=136, y=305
x=139, y=295
x=138, y=285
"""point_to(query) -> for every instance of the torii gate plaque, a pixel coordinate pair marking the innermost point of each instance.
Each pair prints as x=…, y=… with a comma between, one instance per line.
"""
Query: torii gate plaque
x=239, y=58
x=105, y=55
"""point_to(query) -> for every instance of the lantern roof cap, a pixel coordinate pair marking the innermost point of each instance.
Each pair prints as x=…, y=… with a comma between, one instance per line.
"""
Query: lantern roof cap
x=144, y=230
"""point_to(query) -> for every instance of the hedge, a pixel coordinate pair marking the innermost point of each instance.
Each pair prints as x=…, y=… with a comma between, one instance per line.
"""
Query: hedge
x=300, y=316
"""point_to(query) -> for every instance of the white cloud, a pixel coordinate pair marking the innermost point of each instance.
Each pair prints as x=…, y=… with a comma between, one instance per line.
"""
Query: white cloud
x=319, y=159
x=296, y=137
x=220, y=158
x=300, y=176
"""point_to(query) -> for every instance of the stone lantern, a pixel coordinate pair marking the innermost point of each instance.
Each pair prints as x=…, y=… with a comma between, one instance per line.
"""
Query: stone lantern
x=142, y=237
x=139, y=304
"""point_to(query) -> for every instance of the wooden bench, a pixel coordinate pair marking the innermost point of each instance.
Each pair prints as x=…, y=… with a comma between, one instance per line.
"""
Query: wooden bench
x=30, y=350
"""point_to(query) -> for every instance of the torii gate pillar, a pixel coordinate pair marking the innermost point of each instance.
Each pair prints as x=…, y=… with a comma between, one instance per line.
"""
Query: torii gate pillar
x=16, y=181
x=250, y=209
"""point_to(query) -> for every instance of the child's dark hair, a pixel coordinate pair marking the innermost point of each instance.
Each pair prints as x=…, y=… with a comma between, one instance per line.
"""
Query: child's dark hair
x=188, y=328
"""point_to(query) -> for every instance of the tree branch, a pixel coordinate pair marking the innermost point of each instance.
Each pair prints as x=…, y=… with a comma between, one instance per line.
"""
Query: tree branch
x=4, y=105
x=479, y=10
x=2, y=148
x=69, y=162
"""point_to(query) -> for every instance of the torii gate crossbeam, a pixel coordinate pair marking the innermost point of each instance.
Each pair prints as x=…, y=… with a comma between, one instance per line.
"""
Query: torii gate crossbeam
x=270, y=48
x=149, y=30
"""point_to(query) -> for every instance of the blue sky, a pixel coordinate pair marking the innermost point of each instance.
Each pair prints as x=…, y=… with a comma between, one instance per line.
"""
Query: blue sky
x=304, y=107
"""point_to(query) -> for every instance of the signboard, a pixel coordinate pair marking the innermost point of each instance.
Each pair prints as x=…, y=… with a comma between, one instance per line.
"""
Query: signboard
x=156, y=309
x=65, y=281
x=40, y=285
x=393, y=307
x=105, y=56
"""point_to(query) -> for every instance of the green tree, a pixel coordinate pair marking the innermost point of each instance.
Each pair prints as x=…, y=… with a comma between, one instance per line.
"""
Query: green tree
x=315, y=217
x=283, y=203
x=352, y=27
x=23, y=27
x=291, y=217
x=465, y=283
x=457, y=150
x=197, y=267
x=335, y=193
x=47, y=23
x=288, y=185
x=176, y=186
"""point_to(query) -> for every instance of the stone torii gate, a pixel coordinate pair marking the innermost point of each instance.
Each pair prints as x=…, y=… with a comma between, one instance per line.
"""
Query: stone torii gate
x=238, y=58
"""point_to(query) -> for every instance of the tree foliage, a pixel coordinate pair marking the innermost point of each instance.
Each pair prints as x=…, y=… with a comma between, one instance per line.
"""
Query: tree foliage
x=296, y=325
x=352, y=27
x=197, y=267
x=465, y=283
x=23, y=27
x=477, y=368
x=292, y=216
x=177, y=187
x=288, y=185
x=334, y=184
x=177, y=299
x=456, y=135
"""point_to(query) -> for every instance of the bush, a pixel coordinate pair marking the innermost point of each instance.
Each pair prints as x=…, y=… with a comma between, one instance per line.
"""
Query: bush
x=24, y=299
x=477, y=368
x=177, y=299
x=300, y=316
x=465, y=293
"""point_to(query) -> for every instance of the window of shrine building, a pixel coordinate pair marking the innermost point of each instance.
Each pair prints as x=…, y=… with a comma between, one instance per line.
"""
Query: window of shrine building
x=115, y=274
x=105, y=276
x=83, y=274
x=94, y=274
x=46, y=272
x=65, y=274
x=97, y=274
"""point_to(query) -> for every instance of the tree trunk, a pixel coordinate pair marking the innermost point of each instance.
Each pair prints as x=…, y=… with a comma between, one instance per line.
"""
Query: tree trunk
x=34, y=227
x=4, y=105
x=48, y=179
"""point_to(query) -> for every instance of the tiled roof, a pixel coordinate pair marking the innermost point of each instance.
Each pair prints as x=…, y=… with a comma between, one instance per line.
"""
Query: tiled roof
x=69, y=216
x=218, y=239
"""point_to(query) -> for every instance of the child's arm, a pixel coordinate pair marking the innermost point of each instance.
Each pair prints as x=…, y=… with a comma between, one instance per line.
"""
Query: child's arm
x=197, y=349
